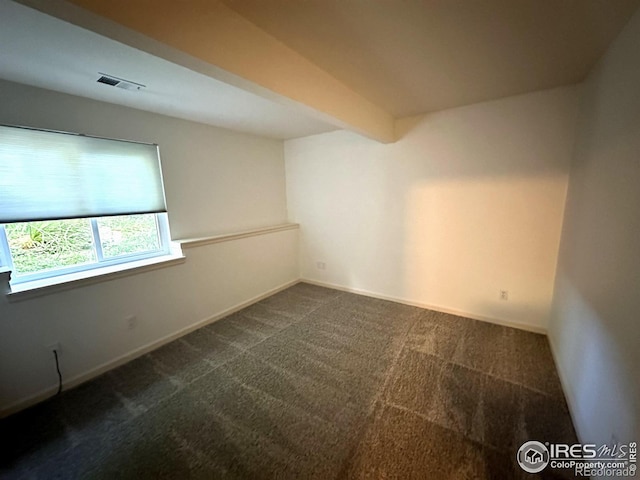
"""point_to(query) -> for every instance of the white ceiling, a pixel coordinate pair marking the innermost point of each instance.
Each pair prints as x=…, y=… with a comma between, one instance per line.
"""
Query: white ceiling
x=405, y=56
x=43, y=51
x=417, y=56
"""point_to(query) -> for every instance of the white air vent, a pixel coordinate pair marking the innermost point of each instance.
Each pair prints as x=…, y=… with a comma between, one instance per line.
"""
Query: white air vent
x=119, y=82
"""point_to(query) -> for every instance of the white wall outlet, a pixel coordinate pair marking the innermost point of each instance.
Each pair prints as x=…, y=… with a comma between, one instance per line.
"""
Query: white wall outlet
x=321, y=265
x=504, y=295
x=131, y=321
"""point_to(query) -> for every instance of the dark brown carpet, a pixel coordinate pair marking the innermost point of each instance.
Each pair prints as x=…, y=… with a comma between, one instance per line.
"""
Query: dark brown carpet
x=310, y=383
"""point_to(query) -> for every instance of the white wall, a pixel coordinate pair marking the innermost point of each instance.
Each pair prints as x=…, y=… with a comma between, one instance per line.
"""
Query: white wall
x=467, y=203
x=595, y=326
x=216, y=181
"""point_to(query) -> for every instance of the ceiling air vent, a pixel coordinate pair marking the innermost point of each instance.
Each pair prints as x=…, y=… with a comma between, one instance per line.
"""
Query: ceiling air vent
x=119, y=82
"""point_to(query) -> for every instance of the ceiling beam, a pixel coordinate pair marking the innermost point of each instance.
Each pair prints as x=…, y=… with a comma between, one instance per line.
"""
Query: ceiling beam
x=209, y=37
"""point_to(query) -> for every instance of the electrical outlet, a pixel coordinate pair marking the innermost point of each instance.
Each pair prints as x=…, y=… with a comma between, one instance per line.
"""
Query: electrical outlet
x=504, y=295
x=53, y=346
x=321, y=265
x=131, y=322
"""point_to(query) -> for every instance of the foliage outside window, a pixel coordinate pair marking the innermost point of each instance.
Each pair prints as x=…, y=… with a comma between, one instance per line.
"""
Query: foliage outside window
x=54, y=247
x=108, y=193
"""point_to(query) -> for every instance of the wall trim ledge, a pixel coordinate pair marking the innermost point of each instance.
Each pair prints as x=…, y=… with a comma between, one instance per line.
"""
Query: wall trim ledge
x=200, y=241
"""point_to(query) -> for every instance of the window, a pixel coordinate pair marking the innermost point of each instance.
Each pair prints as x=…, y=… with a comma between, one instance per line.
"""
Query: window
x=72, y=202
x=36, y=250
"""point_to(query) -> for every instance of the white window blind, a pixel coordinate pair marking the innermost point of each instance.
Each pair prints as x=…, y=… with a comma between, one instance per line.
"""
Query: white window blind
x=47, y=175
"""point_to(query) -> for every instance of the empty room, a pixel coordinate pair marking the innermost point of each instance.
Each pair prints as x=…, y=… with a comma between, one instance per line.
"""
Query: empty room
x=319, y=239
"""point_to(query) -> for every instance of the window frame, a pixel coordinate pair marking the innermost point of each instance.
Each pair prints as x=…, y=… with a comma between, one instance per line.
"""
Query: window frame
x=164, y=240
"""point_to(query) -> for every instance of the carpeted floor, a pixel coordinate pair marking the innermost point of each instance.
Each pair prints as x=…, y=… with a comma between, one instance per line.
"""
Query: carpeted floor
x=310, y=383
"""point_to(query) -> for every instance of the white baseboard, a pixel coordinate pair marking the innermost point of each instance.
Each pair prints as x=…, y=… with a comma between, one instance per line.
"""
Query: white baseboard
x=138, y=352
x=105, y=367
x=437, y=308
x=568, y=393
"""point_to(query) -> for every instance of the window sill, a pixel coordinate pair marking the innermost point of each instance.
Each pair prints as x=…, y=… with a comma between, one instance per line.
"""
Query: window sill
x=23, y=291
x=37, y=288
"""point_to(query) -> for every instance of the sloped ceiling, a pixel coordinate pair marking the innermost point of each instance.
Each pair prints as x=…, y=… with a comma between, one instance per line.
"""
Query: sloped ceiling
x=43, y=51
x=357, y=64
x=417, y=56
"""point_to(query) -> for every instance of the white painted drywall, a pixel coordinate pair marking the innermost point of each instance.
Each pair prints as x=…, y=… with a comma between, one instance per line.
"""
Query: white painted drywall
x=216, y=181
x=595, y=322
x=467, y=203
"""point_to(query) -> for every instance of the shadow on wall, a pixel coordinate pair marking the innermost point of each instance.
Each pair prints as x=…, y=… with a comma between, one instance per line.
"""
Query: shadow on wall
x=467, y=203
x=595, y=323
x=587, y=350
x=467, y=241
x=594, y=326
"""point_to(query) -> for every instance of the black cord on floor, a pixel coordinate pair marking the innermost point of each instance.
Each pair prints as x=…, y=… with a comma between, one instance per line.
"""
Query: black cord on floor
x=55, y=353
